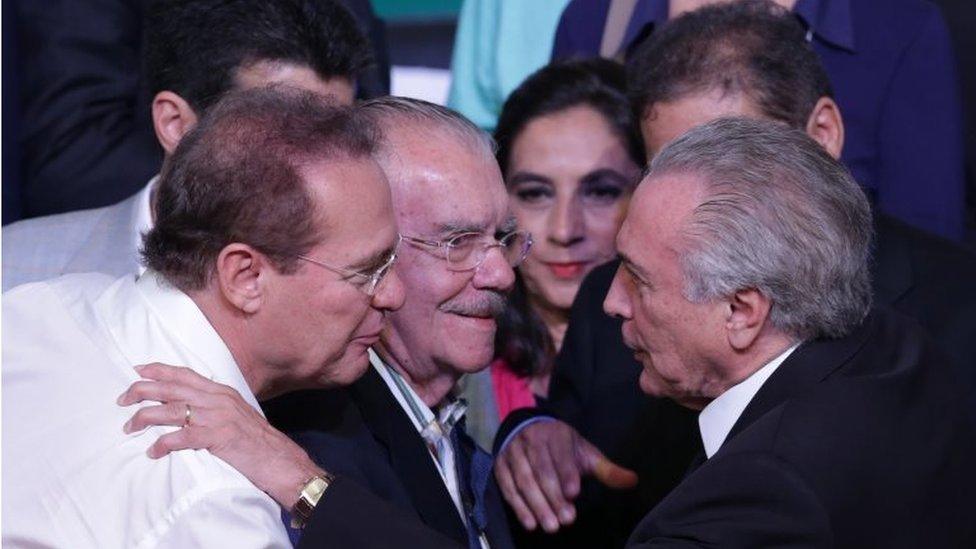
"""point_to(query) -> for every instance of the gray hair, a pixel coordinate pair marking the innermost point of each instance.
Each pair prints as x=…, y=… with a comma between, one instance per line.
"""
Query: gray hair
x=390, y=110
x=780, y=216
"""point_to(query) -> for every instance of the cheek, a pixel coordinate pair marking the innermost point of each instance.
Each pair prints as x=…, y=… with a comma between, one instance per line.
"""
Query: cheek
x=465, y=343
x=602, y=224
x=344, y=316
x=531, y=219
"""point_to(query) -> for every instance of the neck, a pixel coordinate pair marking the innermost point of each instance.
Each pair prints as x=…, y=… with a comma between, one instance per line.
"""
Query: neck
x=555, y=320
x=748, y=362
x=230, y=325
x=432, y=384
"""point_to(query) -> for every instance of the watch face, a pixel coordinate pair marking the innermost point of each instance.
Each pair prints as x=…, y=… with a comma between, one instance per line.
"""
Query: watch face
x=308, y=499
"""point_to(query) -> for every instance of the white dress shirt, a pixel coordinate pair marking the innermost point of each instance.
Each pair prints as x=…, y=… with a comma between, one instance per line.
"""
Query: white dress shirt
x=445, y=465
x=717, y=419
x=142, y=218
x=71, y=477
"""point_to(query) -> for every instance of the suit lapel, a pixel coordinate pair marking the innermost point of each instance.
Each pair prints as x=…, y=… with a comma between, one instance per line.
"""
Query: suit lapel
x=409, y=457
x=811, y=363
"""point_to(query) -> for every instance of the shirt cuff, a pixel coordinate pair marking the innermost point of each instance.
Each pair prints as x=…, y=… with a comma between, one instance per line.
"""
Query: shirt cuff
x=518, y=429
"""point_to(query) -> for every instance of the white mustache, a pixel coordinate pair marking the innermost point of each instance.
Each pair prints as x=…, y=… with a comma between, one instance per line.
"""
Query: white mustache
x=484, y=305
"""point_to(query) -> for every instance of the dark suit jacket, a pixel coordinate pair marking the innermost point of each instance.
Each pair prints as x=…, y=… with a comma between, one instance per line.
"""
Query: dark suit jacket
x=594, y=384
x=960, y=16
x=886, y=59
x=350, y=516
x=363, y=435
x=861, y=441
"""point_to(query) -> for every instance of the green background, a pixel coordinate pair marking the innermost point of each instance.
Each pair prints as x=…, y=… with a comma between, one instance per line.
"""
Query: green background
x=416, y=9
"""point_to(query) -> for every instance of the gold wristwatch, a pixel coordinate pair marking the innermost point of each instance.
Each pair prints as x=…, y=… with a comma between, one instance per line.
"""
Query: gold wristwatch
x=309, y=498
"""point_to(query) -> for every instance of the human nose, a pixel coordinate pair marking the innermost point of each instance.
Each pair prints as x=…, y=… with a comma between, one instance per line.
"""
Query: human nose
x=390, y=293
x=566, y=224
x=494, y=272
x=617, y=303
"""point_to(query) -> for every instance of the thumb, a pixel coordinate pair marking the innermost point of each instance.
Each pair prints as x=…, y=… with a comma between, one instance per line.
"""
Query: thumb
x=607, y=472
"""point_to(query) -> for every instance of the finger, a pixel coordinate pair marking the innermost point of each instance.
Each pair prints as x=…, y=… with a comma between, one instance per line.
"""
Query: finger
x=171, y=413
x=546, y=475
x=607, y=472
x=528, y=486
x=158, y=391
x=507, y=485
x=567, y=469
x=170, y=442
x=158, y=371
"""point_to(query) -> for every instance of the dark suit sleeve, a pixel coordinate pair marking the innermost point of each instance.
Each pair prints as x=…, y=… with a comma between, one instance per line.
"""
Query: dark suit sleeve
x=739, y=500
x=920, y=135
x=350, y=516
x=86, y=130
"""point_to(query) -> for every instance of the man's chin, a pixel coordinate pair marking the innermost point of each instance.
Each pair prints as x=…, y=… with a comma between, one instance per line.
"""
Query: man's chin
x=347, y=369
x=649, y=385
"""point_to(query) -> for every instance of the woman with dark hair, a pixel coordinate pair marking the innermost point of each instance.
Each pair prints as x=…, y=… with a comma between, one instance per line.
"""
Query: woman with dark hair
x=571, y=153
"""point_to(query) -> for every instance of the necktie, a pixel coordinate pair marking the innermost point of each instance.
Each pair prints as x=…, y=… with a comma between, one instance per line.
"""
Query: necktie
x=474, y=472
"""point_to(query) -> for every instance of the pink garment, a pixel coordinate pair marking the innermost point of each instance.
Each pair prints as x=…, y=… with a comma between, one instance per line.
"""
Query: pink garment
x=511, y=391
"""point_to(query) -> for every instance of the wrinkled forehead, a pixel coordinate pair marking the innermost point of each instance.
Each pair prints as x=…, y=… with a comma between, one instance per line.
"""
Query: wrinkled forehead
x=443, y=186
x=660, y=208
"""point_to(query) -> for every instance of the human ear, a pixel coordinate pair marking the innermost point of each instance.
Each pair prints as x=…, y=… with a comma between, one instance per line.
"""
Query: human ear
x=242, y=274
x=826, y=126
x=172, y=118
x=747, y=313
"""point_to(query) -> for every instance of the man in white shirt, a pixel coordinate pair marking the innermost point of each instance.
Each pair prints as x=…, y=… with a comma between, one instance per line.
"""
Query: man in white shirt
x=188, y=68
x=398, y=431
x=267, y=271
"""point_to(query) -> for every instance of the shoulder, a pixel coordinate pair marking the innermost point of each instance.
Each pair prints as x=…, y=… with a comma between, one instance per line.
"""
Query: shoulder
x=63, y=291
x=895, y=24
x=64, y=226
x=934, y=259
x=40, y=248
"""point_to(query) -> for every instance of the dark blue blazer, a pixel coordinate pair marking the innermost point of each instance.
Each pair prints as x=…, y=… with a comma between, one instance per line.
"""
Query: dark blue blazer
x=893, y=72
x=362, y=434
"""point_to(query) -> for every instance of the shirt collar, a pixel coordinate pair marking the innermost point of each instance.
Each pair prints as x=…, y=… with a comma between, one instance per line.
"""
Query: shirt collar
x=829, y=20
x=418, y=404
x=191, y=328
x=717, y=419
x=142, y=216
x=430, y=425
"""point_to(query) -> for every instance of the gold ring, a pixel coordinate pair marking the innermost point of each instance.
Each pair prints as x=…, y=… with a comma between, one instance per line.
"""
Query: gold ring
x=188, y=415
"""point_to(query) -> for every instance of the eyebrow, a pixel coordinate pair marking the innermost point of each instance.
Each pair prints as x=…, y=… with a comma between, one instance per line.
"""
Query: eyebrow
x=528, y=177
x=459, y=226
x=509, y=225
x=595, y=175
x=631, y=266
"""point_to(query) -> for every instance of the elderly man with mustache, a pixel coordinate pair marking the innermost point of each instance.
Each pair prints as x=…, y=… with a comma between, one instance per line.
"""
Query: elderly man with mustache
x=398, y=431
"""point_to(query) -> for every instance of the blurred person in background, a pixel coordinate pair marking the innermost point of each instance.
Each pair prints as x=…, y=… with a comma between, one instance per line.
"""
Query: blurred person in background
x=195, y=52
x=84, y=125
x=893, y=72
x=497, y=45
x=571, y=153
